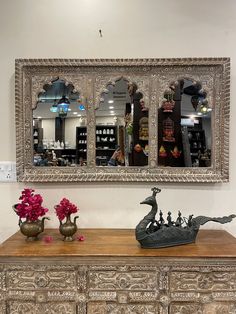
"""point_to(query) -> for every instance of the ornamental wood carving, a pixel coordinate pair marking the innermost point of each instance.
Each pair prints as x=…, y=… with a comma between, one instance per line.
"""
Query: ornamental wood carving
x=90, y=78
x=120, y=285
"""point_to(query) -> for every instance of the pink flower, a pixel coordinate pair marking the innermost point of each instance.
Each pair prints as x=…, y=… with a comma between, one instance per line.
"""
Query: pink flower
x=65, y=208
x=80, y=238
x=30, y=206
x=48, y=239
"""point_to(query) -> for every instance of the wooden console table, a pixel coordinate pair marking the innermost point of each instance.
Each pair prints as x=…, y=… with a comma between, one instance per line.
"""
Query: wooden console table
x=109, y=273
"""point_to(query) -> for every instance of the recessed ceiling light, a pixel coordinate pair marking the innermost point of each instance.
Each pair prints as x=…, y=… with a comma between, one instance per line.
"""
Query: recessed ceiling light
x=75, y=112
x=79, y=115
x=69, y=109
x=111, y=107
x=111, y=111
x=39, y=117
x=110, y=101
x=112, y=114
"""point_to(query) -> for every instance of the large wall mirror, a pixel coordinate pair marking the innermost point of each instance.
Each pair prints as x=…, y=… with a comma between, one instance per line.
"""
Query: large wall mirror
x=122, y=120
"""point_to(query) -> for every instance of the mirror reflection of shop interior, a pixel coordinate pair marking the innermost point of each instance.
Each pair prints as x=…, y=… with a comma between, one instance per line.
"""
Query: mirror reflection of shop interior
x=121, y=126
x=59, y=112
x=184, y=126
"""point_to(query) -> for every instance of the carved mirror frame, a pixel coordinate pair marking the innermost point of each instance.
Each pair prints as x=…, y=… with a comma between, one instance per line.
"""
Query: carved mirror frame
x=152, y=76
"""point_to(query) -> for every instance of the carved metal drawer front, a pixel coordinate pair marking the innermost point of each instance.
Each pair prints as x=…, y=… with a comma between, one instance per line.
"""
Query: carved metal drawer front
x=208, y=308
x=24, y=280
x=113, y=308
x=111, y=280
x=203, y=281
x=43, y=308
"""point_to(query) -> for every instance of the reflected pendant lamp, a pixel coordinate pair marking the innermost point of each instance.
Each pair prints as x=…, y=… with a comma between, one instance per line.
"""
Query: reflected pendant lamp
x=63, y=106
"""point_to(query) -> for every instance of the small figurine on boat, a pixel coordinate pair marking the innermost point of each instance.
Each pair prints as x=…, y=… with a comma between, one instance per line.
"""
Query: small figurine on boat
x=156, y=233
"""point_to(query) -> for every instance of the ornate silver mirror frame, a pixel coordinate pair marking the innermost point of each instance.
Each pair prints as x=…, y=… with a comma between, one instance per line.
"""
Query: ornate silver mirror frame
x=152, y=77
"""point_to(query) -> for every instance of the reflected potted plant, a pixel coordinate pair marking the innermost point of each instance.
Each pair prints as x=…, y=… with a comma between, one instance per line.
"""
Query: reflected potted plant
x=63, y=211
x=168, y=103
x=30, y=207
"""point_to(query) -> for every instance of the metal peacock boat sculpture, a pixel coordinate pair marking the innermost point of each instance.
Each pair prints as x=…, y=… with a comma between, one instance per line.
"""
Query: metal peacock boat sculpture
x=152, y=233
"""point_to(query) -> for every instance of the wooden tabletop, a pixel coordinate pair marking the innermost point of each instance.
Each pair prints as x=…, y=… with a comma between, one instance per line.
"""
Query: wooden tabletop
x=117, y=243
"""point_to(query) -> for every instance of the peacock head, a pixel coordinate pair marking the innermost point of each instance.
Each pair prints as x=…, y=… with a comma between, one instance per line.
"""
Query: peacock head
x=151, y=200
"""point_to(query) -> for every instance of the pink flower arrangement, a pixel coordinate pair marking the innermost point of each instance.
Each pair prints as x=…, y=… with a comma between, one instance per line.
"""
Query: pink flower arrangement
x=31, y=205
x=65, y=208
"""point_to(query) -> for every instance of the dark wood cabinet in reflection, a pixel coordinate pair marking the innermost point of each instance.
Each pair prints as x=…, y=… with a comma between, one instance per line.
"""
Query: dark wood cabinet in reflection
x=81, y=145
x=38, y=139
x=197, y=144
x=106, y=143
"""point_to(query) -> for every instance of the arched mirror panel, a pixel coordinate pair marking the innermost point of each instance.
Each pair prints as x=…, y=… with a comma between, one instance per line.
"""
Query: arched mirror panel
x=140, y=120
x=121, y=126
x=59, y=120
x=184, y=125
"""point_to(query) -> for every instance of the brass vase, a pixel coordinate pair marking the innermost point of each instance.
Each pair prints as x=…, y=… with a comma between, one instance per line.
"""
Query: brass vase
x=31, y=229
x=68, y=228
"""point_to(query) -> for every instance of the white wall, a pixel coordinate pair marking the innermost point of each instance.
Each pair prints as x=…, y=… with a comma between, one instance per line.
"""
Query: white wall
x=70, y=130
x=131, y=29
x=48, y=126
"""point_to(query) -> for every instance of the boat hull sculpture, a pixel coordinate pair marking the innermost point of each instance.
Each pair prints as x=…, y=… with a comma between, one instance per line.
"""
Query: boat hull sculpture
x=152, y=233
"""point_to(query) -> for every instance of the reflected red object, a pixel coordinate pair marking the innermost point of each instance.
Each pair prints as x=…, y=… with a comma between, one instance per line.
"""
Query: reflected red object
x=168, y=130
x=176, y=152
x=138, y=148
x=162, y=152
x=168, y=106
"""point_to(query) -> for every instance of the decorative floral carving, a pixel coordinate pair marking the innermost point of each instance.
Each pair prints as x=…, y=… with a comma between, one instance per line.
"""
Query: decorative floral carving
x=41, y=280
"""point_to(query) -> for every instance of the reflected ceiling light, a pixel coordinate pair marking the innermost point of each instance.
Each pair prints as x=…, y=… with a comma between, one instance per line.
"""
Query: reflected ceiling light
x=63, y=106
x=192, y=117
x=81, y=107
x=75, y=112
x=53, y=108
x=111, y=111
x=111, y=107
x=69, y=109
x=79, y=115
x=64, y=103
x=110, y=101
x=199, y=113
